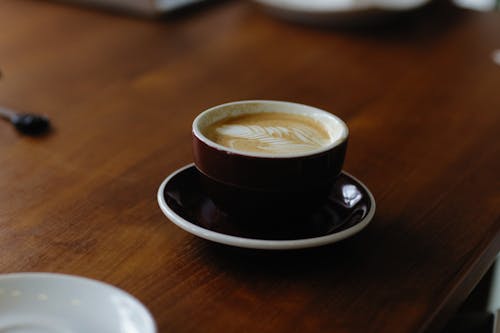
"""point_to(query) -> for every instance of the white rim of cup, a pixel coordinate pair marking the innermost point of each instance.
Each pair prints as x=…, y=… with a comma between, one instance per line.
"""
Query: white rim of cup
x=307, y=108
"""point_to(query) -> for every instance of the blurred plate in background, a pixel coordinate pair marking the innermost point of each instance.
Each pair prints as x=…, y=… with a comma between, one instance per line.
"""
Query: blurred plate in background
x=338, y=12
x=145, y=7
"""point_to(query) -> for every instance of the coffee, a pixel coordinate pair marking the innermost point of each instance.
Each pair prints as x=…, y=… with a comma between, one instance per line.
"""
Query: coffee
x=269, y=132
x=268, y=158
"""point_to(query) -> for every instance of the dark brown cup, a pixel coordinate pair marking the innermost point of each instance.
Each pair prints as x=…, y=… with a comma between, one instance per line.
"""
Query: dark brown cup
x=252, y=184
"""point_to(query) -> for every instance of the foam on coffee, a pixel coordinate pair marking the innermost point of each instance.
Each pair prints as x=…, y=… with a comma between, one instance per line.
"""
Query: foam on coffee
x=270, y=132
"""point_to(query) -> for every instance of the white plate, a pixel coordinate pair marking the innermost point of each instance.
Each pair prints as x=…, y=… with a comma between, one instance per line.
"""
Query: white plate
x=148, y=7
x=58, y=303
x=343, y=12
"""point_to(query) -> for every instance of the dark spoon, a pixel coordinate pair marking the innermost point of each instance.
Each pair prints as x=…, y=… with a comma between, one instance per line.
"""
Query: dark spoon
x=26, y=123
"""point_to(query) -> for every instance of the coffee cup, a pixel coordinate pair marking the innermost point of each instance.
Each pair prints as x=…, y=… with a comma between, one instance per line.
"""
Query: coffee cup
x=268, y=157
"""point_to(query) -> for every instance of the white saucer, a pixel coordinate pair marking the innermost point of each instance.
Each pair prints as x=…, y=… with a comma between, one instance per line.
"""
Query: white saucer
x=58, y=303
x=343, y=12
x=182, y=185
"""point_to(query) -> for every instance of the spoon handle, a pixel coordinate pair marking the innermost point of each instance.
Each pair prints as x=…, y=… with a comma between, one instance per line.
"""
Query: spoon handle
x=6, y=113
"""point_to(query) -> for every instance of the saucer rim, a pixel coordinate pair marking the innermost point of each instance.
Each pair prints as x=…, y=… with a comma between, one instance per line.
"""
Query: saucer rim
x=255, y=243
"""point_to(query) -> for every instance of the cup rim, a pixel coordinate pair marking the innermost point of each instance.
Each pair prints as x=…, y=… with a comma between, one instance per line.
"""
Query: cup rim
x=198, y=133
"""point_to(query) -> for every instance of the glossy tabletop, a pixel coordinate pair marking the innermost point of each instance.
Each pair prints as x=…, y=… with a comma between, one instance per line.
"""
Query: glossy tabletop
x=421, y=98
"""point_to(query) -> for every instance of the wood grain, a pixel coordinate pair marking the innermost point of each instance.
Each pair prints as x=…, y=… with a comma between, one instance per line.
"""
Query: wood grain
x=420, y=96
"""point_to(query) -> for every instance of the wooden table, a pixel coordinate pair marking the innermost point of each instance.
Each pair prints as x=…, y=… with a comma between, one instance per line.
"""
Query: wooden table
x=421, y=97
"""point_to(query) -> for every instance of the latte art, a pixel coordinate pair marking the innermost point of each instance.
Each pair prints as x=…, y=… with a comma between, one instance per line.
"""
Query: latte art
x=274, y=133
x=273, y=139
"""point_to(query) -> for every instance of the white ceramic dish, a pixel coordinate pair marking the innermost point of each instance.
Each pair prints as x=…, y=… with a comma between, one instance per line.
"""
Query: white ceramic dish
x=195, y=228
x=58, y=303
x=342, y=12
x=147, y=7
